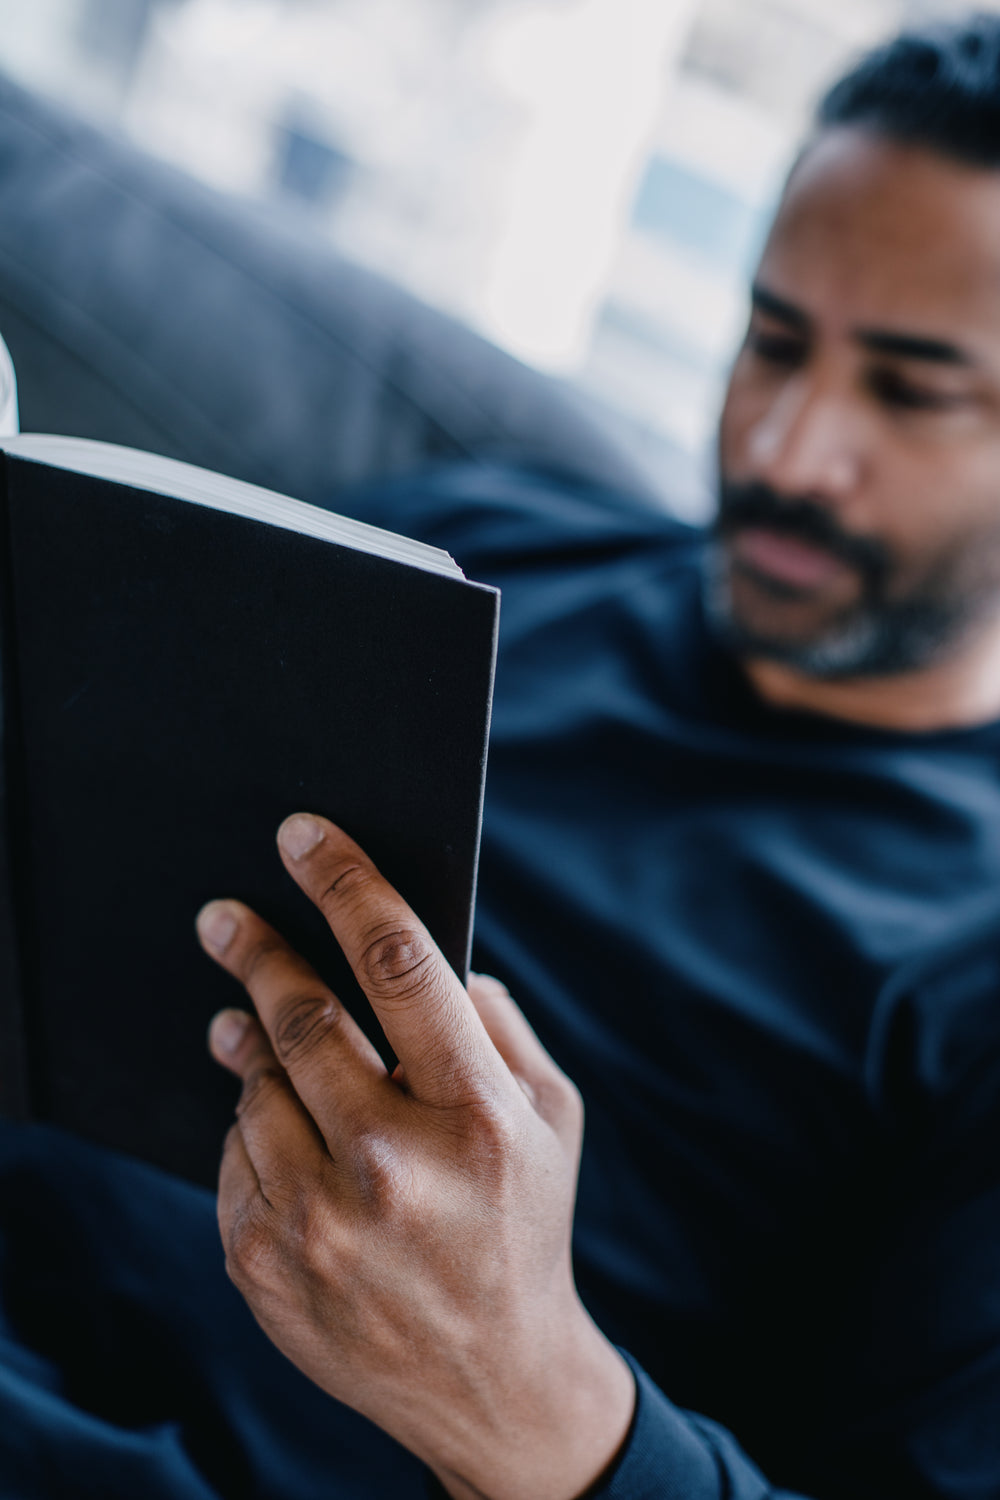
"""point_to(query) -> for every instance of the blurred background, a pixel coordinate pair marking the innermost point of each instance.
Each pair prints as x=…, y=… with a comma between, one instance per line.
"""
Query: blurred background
x=584, y=181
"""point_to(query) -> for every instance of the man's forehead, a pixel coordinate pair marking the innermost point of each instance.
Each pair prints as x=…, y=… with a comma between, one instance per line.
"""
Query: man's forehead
x=882, y=233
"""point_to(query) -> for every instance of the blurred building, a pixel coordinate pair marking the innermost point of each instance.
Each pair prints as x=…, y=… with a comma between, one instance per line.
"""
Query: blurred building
x=587, y=181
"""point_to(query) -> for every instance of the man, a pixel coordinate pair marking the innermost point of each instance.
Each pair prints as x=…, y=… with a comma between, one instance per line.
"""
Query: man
x=742, y=866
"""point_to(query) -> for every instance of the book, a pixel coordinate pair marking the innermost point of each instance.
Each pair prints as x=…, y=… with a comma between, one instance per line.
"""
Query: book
x=184, y=660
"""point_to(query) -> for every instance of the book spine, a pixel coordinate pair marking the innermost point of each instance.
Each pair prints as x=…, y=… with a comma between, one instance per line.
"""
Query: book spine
x=15, y=1080
x=494, y=645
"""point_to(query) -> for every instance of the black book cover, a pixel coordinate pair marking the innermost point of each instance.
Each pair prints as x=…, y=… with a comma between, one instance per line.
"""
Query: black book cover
x=175, y=681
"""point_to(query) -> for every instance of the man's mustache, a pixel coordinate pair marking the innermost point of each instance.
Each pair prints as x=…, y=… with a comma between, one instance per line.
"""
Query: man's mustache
x=756, y=504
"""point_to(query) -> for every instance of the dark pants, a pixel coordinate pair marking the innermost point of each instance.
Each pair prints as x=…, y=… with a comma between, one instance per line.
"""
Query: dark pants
x=129, y=1367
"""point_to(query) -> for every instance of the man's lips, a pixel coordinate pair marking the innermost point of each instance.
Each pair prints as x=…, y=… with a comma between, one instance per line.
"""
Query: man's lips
x=798, y=564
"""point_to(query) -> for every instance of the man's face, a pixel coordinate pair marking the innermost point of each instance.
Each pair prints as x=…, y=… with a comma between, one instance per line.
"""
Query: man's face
x=859, y=523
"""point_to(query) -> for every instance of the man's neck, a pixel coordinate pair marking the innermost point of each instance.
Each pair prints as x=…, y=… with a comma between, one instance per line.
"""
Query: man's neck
x=961, y=692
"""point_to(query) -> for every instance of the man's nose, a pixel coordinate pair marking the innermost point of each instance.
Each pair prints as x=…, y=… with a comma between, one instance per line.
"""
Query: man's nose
x=810, y=441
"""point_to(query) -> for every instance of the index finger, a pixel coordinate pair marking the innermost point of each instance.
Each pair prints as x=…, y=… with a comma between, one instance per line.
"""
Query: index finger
x=429, y=1020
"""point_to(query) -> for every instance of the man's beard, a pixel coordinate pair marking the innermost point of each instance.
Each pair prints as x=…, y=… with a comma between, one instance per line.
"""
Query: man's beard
x=878, y=634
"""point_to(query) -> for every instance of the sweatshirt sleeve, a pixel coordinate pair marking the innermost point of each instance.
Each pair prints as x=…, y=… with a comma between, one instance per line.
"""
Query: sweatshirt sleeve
x=673, y=1455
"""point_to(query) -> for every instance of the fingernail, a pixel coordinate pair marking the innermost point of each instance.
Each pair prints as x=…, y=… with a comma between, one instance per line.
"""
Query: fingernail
x=299, y=834
x=227, y=1030
x=216, y=926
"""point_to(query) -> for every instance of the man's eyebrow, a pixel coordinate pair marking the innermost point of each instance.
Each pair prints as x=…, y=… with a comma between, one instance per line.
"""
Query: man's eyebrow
x=776, y=307
x=878, y=340
x=914, y=346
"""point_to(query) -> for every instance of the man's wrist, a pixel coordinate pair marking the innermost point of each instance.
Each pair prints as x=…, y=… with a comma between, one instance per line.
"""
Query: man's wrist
x=562, y=1435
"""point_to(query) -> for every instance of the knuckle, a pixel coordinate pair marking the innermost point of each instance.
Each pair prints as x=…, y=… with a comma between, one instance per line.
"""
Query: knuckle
x=252, y=1252
x=574, y=1099
x=569, y=1101
x=303, y=1023
x=258, y=1085
x=384, y=1177
x=557, y=1099
x=396, y=964
x=309, y=1223
x=496, y=1129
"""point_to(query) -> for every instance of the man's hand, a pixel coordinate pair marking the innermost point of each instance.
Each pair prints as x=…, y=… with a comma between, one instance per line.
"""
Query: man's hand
x=405, y=1238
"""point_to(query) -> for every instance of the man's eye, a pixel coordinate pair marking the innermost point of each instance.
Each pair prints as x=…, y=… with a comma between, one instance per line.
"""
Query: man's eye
x=776, y=348
x=893, y=390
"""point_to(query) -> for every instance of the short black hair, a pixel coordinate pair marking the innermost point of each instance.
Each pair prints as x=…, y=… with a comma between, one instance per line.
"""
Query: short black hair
x=936, y=86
